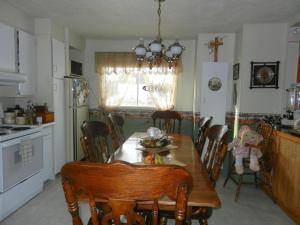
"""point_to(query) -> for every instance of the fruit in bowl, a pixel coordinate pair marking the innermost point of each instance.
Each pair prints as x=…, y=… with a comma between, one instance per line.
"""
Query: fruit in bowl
x=150, y=142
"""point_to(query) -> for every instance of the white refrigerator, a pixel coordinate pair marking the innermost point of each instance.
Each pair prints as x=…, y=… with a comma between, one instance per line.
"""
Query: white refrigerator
x=76, y=92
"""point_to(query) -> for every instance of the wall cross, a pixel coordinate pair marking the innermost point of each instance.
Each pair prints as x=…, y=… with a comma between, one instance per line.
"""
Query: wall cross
x=214, y=46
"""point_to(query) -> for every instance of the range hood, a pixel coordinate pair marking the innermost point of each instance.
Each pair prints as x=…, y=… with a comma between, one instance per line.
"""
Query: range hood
x=11, y=78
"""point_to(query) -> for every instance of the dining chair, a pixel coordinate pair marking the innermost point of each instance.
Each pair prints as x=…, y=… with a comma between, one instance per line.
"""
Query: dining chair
x=265, y=162
x=217, y=138
x=95, y=141
x=203, y=125
x=116, y=123
x=121, y=187
x=168, y=120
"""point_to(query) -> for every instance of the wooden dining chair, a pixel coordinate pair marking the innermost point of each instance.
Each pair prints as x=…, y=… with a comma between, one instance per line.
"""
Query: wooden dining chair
x=116, y=123
x=216, y=136
x=169, y=121
x=121, y=187
x=203, y=125
x=265, y=162
x=95, y=141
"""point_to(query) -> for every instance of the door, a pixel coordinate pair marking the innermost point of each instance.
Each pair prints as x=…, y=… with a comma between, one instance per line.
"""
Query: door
x=214, y=84
x=59, y=127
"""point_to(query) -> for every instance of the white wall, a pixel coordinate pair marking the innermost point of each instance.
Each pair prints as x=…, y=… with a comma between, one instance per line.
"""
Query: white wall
x=262, y=43
x=184, y=97
x=226, y=54
x=16, y=18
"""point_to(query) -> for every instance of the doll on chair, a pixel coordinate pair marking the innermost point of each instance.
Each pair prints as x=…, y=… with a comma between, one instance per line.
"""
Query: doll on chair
x=241, y=149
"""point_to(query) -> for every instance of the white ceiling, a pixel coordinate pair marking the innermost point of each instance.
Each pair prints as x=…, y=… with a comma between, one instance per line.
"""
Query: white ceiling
x=126, y=19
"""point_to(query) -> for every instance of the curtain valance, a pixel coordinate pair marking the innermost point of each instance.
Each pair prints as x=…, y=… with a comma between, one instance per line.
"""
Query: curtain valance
x=114, y=61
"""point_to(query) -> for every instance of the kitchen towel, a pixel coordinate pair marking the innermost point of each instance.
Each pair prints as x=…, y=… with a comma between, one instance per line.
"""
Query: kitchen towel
x=26, y=151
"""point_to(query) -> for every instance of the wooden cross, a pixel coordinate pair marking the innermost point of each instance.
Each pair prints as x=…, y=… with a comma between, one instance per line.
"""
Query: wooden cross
x=214, y=45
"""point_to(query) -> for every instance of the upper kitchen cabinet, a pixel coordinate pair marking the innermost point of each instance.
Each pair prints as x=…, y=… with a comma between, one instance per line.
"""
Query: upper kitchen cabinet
x=7, y=48
x=58, y=59
x=27, y=63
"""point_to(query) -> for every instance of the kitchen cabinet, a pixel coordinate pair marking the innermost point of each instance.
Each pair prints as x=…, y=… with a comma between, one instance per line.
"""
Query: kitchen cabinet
x=59, y=127
x=286, y=176
x=58, y=59
x=27, y=63
x=48, y=170
x=8, y=49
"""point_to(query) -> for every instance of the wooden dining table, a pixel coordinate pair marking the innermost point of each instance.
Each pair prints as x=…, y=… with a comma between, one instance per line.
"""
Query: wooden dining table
x=203, y=194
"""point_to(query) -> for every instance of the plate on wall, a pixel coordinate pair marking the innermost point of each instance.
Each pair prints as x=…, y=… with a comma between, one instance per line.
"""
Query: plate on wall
x=215, y=84
x=265, y=75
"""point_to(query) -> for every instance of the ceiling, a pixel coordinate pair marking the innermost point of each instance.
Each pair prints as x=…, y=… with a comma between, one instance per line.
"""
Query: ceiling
x=127, y=19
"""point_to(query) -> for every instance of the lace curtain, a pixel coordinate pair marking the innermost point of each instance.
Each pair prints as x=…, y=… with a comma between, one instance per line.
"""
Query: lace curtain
x=118, y=73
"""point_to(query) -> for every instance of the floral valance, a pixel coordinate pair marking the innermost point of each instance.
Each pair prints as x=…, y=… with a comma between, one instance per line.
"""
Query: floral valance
x=114, y=61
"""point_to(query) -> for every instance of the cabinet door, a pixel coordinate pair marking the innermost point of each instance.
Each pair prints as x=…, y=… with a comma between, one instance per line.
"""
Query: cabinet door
x=7, y=48
x=48, y=171
x=58, y=59
x=59, y=127
x=27, y=60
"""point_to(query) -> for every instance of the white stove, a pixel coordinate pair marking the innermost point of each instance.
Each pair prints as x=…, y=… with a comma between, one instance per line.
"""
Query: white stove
x=8, y=132
x=21, y=162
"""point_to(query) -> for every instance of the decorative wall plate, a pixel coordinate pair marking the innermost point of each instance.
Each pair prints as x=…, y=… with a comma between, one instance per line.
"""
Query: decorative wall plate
x=264, y=75
x=215, y=84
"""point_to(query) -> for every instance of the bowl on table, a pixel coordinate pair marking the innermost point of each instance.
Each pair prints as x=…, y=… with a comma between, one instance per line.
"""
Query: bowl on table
x=150, y=142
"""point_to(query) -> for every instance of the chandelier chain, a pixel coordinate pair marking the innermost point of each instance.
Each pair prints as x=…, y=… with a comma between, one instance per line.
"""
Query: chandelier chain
x=159, y=19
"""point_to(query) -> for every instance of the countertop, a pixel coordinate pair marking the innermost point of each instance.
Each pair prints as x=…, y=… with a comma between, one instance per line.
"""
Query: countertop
x=285, y=133
x=47, y=124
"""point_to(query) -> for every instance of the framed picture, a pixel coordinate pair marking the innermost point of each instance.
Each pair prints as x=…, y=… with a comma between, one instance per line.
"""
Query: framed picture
x=264, y=75
x=236, y=71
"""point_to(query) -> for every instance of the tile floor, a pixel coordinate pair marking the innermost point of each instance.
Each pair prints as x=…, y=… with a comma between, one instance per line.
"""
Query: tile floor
x=253, y=208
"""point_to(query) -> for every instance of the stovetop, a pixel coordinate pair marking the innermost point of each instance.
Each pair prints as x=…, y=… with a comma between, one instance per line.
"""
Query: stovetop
x=8, y=132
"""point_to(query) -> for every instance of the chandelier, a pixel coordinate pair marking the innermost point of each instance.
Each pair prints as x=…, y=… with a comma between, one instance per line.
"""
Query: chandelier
x=156, y=51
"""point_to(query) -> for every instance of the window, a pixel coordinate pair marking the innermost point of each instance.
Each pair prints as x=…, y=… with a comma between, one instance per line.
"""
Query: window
x=124, y=84
x=134, y=87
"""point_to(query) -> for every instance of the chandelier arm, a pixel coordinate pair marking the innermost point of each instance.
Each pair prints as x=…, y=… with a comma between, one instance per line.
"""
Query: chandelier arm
x=159, y=20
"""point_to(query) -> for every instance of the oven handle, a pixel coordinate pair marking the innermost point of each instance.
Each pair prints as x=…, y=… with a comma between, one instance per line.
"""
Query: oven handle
x=19, y=139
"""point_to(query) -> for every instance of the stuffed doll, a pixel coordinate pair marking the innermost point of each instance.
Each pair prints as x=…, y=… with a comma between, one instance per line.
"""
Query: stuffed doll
x=241, y=150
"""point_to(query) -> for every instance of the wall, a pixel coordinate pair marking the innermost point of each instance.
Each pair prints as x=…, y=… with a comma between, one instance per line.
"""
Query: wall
x=76, y=41
x=262, y=43
x=16, y=18
x=184, y=100
x=226, y=54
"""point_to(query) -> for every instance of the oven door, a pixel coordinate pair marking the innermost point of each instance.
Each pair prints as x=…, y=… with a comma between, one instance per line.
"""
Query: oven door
x=20, y=158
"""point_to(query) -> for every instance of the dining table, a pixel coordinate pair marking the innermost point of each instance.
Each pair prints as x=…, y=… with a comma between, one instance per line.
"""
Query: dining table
x=181, y=152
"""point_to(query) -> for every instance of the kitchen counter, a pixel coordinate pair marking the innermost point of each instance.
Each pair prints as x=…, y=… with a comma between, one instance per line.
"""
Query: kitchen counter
x=287, y=135
x=285, y=150
x=47, y=124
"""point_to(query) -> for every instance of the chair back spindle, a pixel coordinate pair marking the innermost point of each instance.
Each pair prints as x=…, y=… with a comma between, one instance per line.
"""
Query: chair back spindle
x=116, y=123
